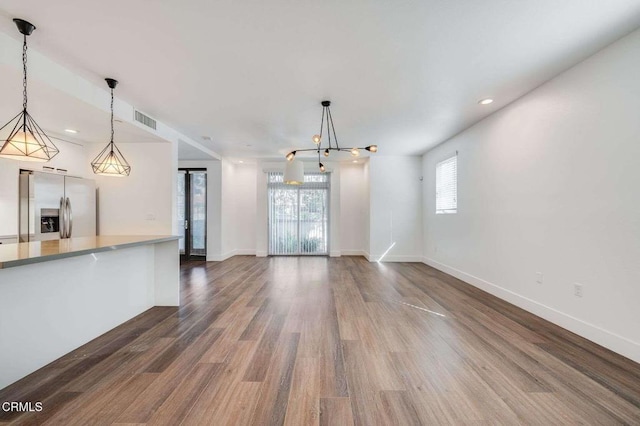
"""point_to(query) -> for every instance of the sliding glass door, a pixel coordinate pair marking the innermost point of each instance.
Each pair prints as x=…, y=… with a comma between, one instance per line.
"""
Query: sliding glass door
x=299, y=215
x=192, y=213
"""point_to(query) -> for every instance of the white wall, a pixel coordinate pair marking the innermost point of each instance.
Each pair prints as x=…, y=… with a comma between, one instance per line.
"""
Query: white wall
x=262, y=238
x=550, y=184
x=245, y=196
x=366, y=243
x=395, y=192
x=335, y=217
x=353, y=209
x=144, y=202
x=228, y=203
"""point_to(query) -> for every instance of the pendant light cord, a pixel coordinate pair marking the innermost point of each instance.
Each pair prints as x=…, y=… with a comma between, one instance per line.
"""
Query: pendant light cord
x=112, y=118
x=335, y=137
x=24, y=76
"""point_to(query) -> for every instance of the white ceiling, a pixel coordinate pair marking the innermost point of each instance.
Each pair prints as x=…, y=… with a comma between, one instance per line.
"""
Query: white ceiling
x=405, y=75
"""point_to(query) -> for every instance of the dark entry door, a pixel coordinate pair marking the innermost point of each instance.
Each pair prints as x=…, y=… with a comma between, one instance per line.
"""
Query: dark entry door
x=192, y=213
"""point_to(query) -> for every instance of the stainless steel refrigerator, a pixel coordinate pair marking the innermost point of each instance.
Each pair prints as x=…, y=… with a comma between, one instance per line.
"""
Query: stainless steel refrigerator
x=56, y=206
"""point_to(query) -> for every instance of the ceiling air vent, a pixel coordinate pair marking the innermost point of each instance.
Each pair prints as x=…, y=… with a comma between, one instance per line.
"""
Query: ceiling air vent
x=144, y=119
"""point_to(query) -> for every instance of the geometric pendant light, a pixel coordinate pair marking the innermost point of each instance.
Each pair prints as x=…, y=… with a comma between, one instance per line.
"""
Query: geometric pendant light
x=22, y=138
x=110, y=161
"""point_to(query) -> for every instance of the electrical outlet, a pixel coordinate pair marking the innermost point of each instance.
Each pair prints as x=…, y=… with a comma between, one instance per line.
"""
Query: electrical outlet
x=539, y=277
x=577, y=289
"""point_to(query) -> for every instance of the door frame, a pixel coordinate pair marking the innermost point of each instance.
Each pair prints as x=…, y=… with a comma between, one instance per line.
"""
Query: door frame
x=188, y=236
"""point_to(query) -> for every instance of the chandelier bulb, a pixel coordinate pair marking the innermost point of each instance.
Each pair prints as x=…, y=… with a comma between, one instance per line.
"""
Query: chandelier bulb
x=291, y=155
x=322, y=169
x=355, y=152
x=316, y=139
x=326, y=152
x=372, y=148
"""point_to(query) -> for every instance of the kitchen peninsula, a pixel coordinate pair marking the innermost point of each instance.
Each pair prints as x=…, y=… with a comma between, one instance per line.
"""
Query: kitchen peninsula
x=58, y=295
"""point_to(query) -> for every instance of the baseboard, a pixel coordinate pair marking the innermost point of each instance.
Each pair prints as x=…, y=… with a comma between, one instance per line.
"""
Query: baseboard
x=251, y=252
x=612, y=341
x=353, y=253
x=230, y=254
x=220, y=257
x=402, y=258
x=244, y=252
x=394, y=258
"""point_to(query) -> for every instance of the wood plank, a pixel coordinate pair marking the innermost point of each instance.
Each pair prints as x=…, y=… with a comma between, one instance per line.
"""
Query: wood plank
x=261, y=361
x=274, y=397
x=335, y=411
x=333, y=376
x=218, y=391
x=398, y=408
x=185, y=396
x=258, y=323
x=364, y=406
x=104, y=406
x=225, y=344
x=303, y=405
x=148, y=401
x=237, y=405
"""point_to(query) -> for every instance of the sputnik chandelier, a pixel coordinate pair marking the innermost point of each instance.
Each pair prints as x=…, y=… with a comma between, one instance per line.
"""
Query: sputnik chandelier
x=330, y=129
x=22, y=138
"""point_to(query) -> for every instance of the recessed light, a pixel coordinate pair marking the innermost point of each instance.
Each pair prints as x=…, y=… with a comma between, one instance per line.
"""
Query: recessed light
x=354, y=161
x=71, y=131
x=486, y=101
x=241, y=162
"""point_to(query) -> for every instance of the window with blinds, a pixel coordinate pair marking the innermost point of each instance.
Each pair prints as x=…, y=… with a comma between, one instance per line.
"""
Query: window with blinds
x=299, y=215
x=447, y=186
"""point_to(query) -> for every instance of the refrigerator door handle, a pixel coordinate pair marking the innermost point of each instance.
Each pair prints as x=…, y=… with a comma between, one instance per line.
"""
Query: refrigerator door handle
x=69, y=214
x=61, y=218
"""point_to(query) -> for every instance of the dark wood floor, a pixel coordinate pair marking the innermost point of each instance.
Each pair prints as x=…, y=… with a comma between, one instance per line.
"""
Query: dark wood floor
x=332, y=341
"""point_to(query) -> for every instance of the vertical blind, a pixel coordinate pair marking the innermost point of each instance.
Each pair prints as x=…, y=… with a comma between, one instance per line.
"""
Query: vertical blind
x=298, y=215
x=447, y=186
